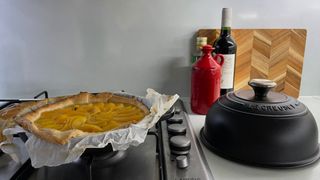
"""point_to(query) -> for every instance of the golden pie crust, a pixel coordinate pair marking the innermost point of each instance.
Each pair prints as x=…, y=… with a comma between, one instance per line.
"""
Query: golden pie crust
x=82, y=114
x=8, y=113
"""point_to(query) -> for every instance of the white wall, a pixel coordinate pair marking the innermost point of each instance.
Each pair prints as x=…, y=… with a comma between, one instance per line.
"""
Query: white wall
x=67, y=46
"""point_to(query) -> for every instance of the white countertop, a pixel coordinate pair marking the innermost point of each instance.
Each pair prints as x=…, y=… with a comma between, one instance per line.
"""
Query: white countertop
x=223, y=169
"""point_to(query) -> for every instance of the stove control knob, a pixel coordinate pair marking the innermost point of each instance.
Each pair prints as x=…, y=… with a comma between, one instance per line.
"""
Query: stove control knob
x=177, y=129
x=180, y=145
x=182, y=162
x=174, y=121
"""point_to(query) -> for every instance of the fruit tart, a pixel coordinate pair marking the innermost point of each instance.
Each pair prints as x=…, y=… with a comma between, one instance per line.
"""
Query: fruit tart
x=82, y=114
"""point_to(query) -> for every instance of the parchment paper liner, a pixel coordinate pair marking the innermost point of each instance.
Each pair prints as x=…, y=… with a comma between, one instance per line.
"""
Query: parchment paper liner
x=43, y=153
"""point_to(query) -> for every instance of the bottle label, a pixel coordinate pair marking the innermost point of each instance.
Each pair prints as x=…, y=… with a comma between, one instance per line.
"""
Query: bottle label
x=227, y=71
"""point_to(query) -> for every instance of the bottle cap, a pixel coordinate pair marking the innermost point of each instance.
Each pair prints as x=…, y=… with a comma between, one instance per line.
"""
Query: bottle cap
x=201, y=41
x=226, y=17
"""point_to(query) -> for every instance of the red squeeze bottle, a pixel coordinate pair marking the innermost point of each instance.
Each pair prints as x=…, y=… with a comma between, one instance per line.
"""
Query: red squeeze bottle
x=205, y=81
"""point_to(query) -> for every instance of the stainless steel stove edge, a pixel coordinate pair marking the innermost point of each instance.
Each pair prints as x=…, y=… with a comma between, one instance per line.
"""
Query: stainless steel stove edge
x=198, y=168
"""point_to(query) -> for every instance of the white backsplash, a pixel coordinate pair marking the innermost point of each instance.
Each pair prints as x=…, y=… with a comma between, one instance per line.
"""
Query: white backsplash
x=106, y=45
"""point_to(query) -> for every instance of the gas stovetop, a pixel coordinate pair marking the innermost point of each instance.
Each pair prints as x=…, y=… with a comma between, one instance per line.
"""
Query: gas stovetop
x=171, y=151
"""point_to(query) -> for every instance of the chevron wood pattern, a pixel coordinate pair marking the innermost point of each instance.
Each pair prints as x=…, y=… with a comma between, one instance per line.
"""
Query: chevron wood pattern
x=275, y=54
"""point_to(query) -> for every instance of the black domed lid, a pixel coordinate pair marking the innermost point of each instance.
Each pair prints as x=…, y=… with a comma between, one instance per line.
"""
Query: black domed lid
x=262, y=101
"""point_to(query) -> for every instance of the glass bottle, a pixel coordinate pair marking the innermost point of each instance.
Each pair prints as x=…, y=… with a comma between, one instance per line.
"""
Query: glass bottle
x=201, y=41
x=226, y=46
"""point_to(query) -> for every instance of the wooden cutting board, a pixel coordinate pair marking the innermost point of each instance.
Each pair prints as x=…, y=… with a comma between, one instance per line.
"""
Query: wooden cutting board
x=275, y=54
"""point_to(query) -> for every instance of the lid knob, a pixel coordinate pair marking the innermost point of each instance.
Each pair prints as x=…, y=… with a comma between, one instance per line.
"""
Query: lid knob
x=261, y=87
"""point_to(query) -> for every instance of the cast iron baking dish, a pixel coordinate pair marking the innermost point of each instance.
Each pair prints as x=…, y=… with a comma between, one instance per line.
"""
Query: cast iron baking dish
x=262, y=128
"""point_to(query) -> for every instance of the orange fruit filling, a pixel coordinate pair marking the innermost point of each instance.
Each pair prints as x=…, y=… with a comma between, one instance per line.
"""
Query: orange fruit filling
x=91, y=117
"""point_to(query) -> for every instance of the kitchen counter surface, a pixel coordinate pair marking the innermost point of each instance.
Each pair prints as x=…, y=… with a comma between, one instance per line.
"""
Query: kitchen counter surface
x=223, y=169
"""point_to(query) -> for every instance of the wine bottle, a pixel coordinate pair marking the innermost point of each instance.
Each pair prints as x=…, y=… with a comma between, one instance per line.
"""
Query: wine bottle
x=201, y=41
x=226, y=46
